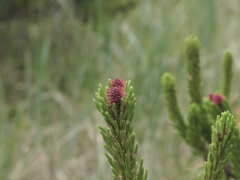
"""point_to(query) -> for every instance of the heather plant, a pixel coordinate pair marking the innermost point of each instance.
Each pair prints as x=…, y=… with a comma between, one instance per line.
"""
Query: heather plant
x=116, y=103
x=209, y=130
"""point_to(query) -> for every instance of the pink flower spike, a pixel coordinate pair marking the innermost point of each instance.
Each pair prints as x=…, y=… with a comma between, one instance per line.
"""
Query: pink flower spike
x=115, y=94
x=118, y=83
x=216, y=98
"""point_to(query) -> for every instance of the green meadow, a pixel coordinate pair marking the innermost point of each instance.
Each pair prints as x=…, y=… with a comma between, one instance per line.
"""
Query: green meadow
x=53, y=57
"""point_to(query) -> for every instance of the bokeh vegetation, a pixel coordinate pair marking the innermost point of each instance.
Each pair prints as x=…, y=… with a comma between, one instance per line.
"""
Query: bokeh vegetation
x=55, y=53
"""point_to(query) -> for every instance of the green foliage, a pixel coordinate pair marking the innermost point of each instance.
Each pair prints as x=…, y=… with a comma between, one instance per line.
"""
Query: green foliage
x=118, y=135
x=227, y=73
x=213, y=110
x=50, y=67
x=197, y=128
x=113, y=7
x=202, y=115
x=192, y=47
x=194, y=130
x=169, y=89
x=220, y=149
x=235, y=160
x=192, y=61
x=85, y=9
x=21, y=8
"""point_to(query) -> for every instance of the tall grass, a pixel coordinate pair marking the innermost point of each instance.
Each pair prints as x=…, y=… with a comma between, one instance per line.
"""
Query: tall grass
x=51, y=68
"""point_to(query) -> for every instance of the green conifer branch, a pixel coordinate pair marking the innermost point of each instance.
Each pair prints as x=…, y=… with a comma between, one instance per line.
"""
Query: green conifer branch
x=235, y=160
x=223, y=135
x=227, y=73
x=202, y=113
x=192, y=47
x=192, y=63
x=169, y=89
x=194, y=131
x=205, y=124
x=213, y=110
x=116, y=103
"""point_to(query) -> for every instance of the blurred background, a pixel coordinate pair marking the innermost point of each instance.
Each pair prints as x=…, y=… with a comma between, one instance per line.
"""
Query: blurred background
x=54, y=54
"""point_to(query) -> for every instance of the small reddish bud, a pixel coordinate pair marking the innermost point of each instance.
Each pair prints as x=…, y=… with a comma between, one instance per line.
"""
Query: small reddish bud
x=117, y=83
x=115, y=95
x=116, y=92
x=216, y=98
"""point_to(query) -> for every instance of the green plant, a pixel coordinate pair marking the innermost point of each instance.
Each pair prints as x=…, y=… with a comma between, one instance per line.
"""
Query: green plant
x=202, y=113
x=223, y=135
x=116, y=103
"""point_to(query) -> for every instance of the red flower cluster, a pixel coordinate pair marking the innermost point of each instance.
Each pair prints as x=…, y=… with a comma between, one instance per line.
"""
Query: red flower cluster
x=116, y=92
x=216, y=98
x=118, y=83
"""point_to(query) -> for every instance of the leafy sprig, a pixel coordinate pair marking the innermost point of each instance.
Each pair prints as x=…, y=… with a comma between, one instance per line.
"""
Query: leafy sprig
x=223, y=135
x=202, y=112
x=116, y=103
